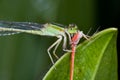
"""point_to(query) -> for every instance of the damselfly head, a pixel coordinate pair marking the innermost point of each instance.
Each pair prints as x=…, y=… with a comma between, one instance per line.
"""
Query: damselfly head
x=72, y=28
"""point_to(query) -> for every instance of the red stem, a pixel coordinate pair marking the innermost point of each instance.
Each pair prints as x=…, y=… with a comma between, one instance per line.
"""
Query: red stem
x=74, y=42
x=72, y=62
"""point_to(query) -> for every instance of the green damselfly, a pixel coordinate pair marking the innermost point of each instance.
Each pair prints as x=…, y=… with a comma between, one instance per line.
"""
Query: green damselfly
x=48, y=29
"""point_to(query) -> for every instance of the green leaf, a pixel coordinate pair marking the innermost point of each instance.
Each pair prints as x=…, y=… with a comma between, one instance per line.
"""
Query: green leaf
x=95, y=59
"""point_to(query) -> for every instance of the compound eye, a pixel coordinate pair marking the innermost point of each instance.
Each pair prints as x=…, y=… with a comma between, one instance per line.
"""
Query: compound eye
x=72, y=25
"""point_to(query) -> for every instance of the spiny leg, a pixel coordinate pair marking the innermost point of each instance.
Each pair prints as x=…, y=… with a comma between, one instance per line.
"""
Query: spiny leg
x=54, y=51
x=93, y=33
x=85, y=36
x=48, y=50
x=68, y=36
x=65, y=43
x=97, y=30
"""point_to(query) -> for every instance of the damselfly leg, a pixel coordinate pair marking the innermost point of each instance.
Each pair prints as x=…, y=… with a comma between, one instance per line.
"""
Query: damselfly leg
x=56, y=44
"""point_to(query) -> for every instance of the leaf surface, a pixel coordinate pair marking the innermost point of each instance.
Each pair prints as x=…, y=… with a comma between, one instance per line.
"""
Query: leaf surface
x=95, y=59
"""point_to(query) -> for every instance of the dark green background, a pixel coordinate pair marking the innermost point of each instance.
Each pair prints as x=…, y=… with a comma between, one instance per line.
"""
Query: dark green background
x=24, y=56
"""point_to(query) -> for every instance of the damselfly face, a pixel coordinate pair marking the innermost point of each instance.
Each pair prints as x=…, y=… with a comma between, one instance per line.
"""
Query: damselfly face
x=72, y=28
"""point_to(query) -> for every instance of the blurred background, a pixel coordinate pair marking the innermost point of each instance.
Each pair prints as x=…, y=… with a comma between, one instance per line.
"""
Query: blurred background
x=24, y=56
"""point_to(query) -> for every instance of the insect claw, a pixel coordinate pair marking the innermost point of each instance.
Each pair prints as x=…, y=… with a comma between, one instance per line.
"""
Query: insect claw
x=67, y=50
x=55, y=56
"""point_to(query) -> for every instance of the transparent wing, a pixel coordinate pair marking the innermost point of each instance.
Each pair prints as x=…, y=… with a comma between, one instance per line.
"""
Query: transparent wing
x=5, y=33
x=18, y=25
